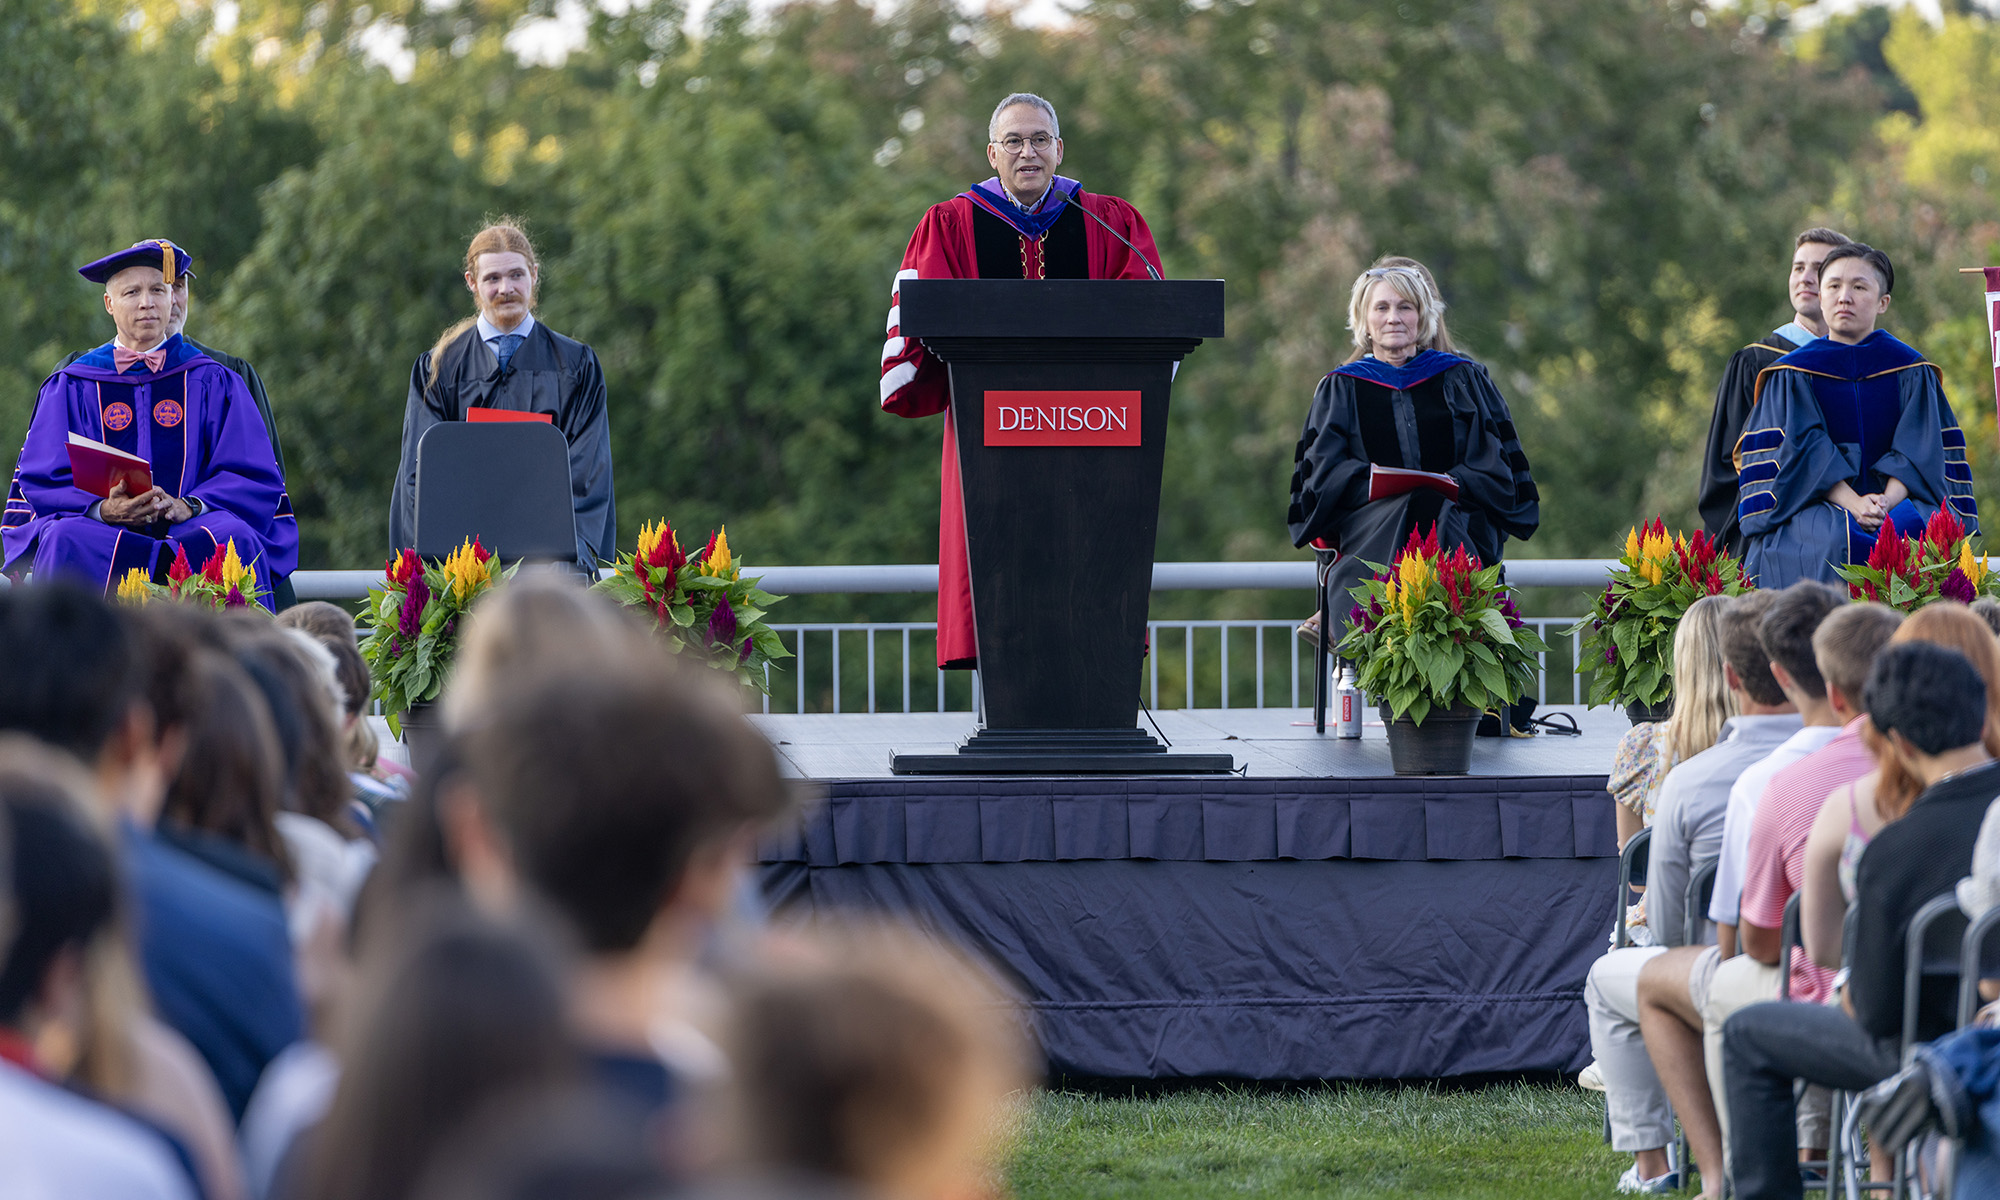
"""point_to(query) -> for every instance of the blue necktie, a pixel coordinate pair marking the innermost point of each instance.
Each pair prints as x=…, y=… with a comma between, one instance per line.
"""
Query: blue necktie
x=505, y=345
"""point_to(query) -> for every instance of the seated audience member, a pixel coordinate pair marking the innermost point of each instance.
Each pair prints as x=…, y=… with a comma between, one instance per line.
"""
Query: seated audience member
x=1929, y=702
x=146, y=392
x=1702, y=702
x=87, y=678
x=375, y=783
x=1405, y=398
x=517, y=629
x=63, y=894
x=222, y=804
x=872, y=1062
x=1853, y=814
x=454, y=1013
x=1822, y=664
x=1987, y=609
x=626, y=795
x=318, y=619
x=1686, y=829
x=1849, y=431
x=569, y=1143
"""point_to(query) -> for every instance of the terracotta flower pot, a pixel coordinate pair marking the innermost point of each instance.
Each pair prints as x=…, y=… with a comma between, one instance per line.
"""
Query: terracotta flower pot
x=1441, y=745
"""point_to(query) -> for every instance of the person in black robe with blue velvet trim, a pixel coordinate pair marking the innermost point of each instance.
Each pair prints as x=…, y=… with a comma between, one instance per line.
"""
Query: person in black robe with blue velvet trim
x=1848, y=431
x=1406, y=399
x=1738, y=390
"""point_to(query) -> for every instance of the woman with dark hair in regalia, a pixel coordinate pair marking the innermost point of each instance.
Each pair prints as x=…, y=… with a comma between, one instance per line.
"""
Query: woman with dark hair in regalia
x=1405, y=400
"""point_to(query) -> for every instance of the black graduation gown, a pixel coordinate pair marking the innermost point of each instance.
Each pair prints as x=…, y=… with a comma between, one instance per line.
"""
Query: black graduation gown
x=1440, y=413
x=1733, y=400
x=549, y=373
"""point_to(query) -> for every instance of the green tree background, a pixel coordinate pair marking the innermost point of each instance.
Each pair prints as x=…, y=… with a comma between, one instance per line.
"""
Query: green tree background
x=1606, y=190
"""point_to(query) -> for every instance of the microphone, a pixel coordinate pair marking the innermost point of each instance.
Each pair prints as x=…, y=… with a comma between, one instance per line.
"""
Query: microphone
x=1143, y=260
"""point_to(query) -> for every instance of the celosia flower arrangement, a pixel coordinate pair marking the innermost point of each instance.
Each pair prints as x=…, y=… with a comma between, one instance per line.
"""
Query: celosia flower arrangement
x=1628, y=642
x=702, y=605
x=224, y=581
x=413, y=622
x=1437, y=631
x=1907, y=573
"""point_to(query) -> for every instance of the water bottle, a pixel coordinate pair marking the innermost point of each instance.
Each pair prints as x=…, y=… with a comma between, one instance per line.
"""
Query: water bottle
x=1347, y=704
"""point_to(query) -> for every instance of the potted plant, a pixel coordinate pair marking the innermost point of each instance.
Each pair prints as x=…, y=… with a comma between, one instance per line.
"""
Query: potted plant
x=702, y=606
x=413, y=624
x=1628, y=642
x=1438, y=640
x=1907, y=573
x=223, y=582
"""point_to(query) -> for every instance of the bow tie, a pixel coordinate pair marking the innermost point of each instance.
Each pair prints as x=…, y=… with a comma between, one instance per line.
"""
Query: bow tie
x=154, y=358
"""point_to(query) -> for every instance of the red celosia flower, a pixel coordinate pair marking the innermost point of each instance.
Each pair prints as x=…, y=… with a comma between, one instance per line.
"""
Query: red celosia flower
x=404, y=567
x=181, y=570
x=1942, y=530
x=480, y=552
x=1890, y=555
x=212, y=569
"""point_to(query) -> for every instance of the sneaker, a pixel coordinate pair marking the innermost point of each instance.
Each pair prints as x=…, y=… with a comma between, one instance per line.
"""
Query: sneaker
x=1629, y=1184
x=1590, y=1079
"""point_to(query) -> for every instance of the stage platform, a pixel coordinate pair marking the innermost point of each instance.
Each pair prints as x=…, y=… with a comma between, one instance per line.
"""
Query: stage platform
x=1268, y=743
x=1312, y=917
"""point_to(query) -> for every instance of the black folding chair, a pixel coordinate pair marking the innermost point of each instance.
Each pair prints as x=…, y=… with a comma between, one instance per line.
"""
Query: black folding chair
x=1631, y=873
x=1788, y=938
x=506, y=483
x=1974, y=964
x=1700, y=890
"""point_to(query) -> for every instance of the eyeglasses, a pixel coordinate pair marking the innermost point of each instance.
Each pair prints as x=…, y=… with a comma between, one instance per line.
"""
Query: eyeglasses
x=1014, y=143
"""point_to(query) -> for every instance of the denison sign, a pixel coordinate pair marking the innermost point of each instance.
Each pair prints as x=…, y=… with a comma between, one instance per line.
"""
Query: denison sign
x=1062, y=418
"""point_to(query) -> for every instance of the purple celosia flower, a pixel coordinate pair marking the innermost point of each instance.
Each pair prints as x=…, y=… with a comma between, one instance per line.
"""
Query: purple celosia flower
x=410, y=622
x=1957, y=587
x=722, y=624
x=1611, y=653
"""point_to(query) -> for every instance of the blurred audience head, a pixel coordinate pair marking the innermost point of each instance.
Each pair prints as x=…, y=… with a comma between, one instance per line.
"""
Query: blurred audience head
x=554, y=1144
x=296, y=676
x=64, y=894
x=231, y=779
x=455, y=1012
x=1845, y=646
x=1702, y=699
x=1786, y=633
x=1743, y=649
x=1942, y=623
x=1987, y=609
x=317, y=618
x=1926, y=698
x=617, y=786
x=71, y=671
x=528, y=624
x=873, y=1057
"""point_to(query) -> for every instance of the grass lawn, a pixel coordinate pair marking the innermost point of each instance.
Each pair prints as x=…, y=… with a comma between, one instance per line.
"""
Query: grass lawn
x=1507, y=1140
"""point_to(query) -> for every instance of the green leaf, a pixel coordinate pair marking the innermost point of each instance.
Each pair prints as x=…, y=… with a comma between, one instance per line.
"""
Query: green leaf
x=1495, y=624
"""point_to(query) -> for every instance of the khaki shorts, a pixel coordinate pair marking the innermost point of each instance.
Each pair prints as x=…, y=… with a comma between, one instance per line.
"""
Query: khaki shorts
x=1701, y=975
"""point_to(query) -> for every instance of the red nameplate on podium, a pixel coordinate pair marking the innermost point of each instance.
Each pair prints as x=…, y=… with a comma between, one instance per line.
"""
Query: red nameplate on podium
x=486, y=416
x=97, y=468
x=1384, y=482
x=1062, y=418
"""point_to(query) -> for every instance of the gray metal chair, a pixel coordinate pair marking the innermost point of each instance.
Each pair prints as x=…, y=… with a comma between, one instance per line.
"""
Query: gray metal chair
x=1631, y=873
x=1700, y=891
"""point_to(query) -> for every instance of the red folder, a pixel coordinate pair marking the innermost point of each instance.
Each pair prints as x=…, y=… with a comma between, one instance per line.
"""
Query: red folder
x=1384, y=482
x=97, y=468
x=482, y=416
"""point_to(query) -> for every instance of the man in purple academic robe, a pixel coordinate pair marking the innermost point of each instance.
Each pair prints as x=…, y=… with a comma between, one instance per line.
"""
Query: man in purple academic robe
x=153, y=394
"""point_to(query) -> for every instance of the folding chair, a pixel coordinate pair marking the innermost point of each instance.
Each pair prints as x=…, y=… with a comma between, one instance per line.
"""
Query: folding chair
x=1973, y=964
x=1631, y=873
x=1700, y=890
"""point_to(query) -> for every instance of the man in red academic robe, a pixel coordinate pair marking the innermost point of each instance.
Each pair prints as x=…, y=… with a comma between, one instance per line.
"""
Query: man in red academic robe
x=1026, y=222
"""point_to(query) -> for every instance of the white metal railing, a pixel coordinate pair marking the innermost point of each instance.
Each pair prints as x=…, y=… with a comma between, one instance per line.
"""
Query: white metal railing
x=885, y=579
x=827, y=675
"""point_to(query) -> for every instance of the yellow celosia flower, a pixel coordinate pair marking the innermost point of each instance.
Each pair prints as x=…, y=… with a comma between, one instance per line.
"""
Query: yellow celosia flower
x=718, y=559
x=1632, y=543
x=649, y=539
x=465, y=572
x=1972, y=568
x=234, y=573
x=133, y=588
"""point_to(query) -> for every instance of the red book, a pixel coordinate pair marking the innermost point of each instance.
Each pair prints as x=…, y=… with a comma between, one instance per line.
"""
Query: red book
x=482, y=416
x=97, y=468
x=1384, y=482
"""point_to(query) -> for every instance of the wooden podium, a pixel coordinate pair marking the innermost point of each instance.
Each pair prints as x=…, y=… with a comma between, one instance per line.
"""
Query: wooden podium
x=1059, y=394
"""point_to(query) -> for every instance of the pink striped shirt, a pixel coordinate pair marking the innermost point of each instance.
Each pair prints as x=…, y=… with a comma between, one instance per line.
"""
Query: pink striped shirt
x=1775, y=862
